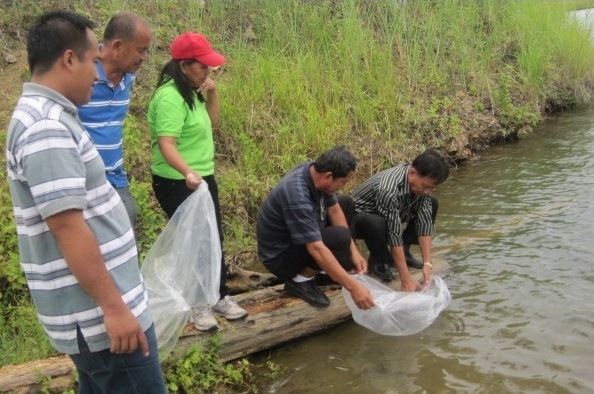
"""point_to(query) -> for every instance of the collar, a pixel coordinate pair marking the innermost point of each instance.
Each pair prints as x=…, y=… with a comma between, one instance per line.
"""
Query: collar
x=35, y=89
x=103, y=78
x=403, y=185
x=309, y=180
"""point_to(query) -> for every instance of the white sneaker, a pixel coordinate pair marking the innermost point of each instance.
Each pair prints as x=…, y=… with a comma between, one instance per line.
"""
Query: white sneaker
x=203, y=318
x=229, y=308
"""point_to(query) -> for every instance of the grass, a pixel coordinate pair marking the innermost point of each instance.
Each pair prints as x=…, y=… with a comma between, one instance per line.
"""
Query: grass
x=384, y=78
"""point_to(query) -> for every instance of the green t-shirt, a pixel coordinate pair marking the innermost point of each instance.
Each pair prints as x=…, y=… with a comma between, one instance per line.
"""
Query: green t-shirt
x=170, y=116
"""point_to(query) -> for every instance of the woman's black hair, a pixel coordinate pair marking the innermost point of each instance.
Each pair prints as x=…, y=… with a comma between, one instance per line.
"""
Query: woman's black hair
x=172, y=70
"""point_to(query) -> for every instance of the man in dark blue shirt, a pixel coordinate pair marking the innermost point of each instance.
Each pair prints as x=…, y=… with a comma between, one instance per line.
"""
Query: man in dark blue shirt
x=302, y=230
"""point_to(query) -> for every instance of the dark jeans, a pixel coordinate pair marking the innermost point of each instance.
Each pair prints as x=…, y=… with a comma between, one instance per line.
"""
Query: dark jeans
x=104, y=372
x=171, y=193
x=374, y=230
x=296, y=258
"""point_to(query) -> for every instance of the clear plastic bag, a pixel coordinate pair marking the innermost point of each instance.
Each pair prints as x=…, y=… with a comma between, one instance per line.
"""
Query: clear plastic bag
x=399, y=313
x=183, y=268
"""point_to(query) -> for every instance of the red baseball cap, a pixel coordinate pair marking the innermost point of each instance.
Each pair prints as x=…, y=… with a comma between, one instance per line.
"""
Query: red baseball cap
x=195, y=46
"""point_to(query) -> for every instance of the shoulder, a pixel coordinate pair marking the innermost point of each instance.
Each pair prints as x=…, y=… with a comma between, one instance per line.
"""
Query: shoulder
x=169, y=93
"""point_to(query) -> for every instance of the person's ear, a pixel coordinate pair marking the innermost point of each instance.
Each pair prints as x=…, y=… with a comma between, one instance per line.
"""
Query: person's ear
x=116, y=46
x=67, y=58
x=183, y=66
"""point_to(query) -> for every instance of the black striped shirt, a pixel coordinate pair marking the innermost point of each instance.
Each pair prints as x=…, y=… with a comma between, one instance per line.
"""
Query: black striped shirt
x=388, y=194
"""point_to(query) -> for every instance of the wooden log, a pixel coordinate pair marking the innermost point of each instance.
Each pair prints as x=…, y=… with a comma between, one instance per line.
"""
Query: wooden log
x=274, y=318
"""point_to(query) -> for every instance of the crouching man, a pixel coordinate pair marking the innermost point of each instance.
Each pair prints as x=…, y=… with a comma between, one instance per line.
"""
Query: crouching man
x=302, y=230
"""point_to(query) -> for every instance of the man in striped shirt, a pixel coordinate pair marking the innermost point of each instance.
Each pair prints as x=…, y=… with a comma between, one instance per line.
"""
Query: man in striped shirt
x=126, y=42
x=76, y=244
x=387, y=200
x=302, y=230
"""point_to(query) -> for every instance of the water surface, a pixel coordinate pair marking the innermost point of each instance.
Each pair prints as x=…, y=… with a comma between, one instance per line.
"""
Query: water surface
x=517, y=227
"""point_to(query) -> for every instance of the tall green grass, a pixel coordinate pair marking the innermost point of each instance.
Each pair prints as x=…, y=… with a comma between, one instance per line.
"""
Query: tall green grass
x=387, y=78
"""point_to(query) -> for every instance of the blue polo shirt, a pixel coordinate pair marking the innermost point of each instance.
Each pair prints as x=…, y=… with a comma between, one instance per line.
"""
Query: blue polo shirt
x=103, y=118
x=293, y=214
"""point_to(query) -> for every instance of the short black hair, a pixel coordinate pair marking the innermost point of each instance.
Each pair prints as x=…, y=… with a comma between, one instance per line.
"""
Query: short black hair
x=433, y=165
x=338, y=160
x=53, y=33
x=121, y=26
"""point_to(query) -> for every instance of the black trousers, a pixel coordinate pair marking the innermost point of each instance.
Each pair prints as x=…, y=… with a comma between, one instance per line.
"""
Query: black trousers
x=296, y=258
x=373, y=229
x=171, y=193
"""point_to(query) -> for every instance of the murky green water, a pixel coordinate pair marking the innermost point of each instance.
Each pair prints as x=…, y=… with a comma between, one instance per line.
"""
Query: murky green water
x=516, y=226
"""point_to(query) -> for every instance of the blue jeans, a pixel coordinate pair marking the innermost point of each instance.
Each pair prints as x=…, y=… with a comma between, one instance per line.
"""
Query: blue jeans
x=106, y=373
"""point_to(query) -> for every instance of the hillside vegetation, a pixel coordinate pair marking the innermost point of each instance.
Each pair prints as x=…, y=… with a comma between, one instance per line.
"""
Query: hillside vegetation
x=386, y=78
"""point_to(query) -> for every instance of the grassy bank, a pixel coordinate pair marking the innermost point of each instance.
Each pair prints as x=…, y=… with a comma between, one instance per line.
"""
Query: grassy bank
x=386, y=78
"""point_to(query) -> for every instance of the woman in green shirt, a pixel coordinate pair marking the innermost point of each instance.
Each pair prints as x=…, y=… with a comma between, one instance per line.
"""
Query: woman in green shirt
x=180, y=117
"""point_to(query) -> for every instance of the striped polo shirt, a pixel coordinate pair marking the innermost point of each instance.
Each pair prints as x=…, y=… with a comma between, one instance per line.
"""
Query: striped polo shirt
x=388, y=195
x=52, y=167
x=293, y=214
x=103, y=117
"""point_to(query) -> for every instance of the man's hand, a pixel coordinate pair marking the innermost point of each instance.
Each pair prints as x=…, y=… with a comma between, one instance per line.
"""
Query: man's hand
x=362, y=296
x=360, y=263
x=427, y=275
x=409, y=285
x=125, y=333
x=83, y=255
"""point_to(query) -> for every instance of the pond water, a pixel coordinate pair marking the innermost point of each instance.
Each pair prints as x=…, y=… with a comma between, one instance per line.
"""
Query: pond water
x=516, y=226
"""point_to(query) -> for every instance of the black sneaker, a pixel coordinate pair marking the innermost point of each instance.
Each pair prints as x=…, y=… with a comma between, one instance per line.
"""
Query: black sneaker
x=323, y=280
x=307, y=291
x=410, y=260
x=382, y=271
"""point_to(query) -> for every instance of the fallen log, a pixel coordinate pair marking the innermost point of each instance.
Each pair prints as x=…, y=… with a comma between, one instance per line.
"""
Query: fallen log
x=274, y=318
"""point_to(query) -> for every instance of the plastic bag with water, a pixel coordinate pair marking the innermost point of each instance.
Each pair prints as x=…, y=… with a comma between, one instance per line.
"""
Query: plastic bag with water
x=183, y=268
x=399, y=313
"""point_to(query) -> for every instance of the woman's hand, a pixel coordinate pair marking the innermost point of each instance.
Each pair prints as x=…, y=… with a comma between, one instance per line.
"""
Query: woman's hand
x=193, y=180
x=208, y=86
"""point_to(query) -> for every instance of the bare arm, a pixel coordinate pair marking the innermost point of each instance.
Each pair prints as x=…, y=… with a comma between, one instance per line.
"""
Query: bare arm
x=168, y=147
x=326, y=260
x=81, y=252
x=425, y=245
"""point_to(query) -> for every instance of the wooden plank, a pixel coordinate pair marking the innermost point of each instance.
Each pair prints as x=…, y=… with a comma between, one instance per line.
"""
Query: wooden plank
x=288, y=319
x=274, y=318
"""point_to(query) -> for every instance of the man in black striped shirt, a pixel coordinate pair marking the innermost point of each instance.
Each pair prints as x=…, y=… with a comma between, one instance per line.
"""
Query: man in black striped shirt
x=387, y=200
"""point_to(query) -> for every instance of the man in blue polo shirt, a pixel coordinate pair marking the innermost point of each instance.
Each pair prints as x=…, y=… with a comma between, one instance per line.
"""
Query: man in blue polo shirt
x=126, y=42
x=302, y=230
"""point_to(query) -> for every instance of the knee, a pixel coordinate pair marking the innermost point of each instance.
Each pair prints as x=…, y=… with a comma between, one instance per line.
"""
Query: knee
x=343, y=235
x=337, y=237
x=347, y=205
x=374, y=228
